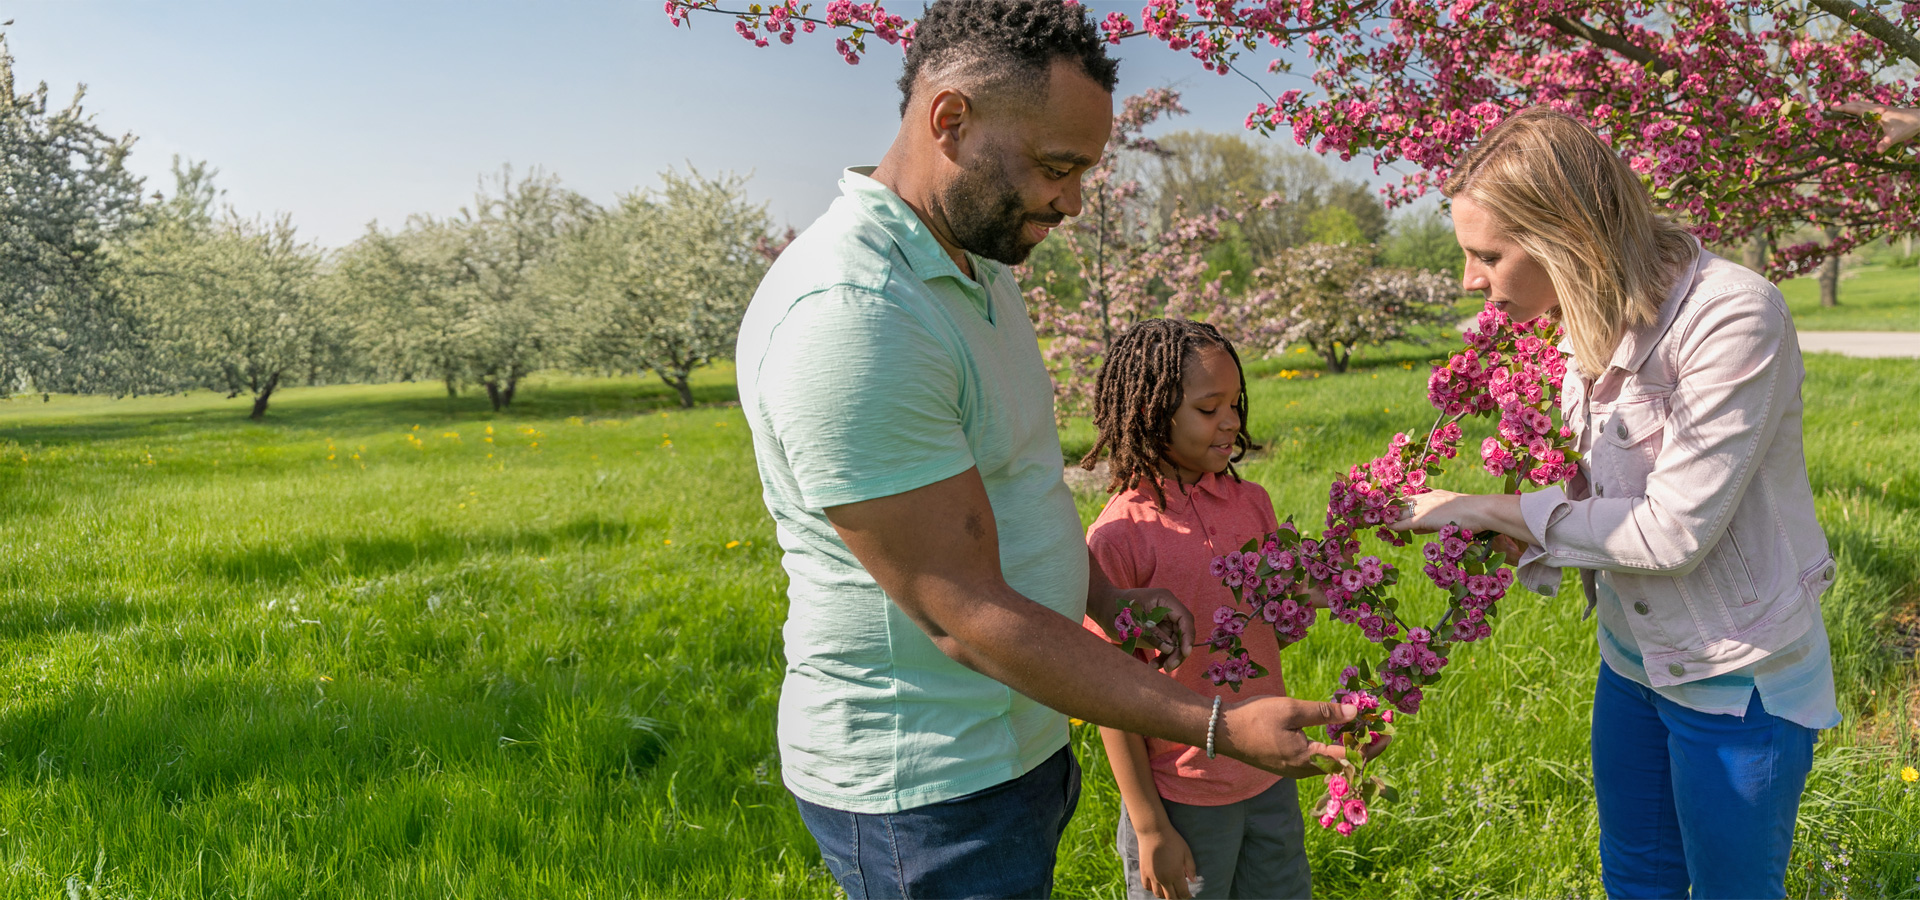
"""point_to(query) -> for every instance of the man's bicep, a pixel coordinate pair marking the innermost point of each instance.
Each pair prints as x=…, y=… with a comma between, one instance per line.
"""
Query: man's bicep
x=864, y=399
x=925, y=546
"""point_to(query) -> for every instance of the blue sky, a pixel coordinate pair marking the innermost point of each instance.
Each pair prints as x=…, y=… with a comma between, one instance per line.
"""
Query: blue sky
x=342, y=112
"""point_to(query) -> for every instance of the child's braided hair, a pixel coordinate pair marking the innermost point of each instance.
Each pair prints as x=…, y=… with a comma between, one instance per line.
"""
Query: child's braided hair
x=1138, y=392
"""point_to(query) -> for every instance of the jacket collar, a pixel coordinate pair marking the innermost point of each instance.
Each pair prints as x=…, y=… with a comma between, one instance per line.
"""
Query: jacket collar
x=1637, y=344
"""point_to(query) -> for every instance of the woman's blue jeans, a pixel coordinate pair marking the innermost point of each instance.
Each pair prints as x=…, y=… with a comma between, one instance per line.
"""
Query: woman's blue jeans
x=1693, y=799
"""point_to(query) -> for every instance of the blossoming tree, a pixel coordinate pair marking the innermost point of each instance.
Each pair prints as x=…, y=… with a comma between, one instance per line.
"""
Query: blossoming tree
x=1131, y=270
x=1723, y=106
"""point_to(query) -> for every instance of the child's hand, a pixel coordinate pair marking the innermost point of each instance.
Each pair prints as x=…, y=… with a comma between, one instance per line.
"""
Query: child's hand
x=1166, y=862
x=1172, y=636
x=1316, y=597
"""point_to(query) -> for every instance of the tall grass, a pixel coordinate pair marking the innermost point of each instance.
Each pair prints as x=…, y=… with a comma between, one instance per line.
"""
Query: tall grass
x=362, y=651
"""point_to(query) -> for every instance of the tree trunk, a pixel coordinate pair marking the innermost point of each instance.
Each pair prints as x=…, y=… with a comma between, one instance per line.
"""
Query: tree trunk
x=1759, y=250
x=452, y=391
x=1336, y=360
x=686, y=390
x=260, y=399
x=1830, y=273
x=506, y=394
x=493, y=395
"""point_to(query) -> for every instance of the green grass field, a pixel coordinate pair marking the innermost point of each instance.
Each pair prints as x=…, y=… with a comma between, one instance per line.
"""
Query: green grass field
x=361, y=650
x=1872, y=298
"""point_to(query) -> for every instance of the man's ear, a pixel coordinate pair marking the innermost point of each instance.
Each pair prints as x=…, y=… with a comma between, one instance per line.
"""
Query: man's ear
x=950, y=118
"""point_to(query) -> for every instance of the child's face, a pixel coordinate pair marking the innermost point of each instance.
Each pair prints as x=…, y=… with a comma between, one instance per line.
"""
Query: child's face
x=1206, y=423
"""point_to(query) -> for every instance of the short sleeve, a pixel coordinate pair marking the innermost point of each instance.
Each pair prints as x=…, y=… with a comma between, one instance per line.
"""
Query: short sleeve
x=862, y=398
x=1122, y=555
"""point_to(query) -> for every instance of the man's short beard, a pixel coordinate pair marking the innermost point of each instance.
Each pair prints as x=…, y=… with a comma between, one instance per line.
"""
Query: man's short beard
x=986, y=215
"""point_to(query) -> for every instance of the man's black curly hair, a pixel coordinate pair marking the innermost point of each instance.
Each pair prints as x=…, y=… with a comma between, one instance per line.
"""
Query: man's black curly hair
x=1006, y=44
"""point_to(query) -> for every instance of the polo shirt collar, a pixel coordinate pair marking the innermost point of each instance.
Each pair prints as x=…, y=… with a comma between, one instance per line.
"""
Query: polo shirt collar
x=1218, y=486
x=924, y=255
x=1638, y=343
x=1215, y=484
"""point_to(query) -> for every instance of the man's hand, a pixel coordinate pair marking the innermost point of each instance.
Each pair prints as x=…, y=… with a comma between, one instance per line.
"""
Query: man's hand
x=1266, y=732
x=1897, y=125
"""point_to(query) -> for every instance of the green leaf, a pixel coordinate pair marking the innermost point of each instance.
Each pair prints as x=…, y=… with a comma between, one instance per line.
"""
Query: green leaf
x=1251, y=545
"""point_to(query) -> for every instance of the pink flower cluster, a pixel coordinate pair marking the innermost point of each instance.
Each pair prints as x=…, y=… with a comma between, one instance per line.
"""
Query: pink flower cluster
x=1515, y=369
x=1458, y=563
x=1344, y=809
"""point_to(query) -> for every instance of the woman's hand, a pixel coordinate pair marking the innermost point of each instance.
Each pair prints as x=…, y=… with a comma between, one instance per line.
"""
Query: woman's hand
x=1166, y=862
x=1425, y=513
x=1897, y=124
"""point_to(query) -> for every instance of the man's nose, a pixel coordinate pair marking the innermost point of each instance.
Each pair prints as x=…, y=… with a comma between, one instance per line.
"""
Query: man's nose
x=1069, y=203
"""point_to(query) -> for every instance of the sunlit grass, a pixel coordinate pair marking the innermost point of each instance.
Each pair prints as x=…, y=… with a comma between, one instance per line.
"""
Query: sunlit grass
x=1872, y=298
x=339, y=655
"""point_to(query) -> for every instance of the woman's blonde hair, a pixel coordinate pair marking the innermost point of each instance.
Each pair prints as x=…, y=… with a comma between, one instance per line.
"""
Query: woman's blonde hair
x=1573, y=204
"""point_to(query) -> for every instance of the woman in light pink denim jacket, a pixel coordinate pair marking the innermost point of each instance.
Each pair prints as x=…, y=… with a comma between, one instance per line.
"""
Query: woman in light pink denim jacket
x=1691, y=520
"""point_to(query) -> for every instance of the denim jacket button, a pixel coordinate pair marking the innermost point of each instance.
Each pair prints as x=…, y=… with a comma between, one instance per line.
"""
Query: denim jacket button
x=1641, y=607
x=1620, y=428
x=1599, y=490
x=1677, y=670
x=1828, y=574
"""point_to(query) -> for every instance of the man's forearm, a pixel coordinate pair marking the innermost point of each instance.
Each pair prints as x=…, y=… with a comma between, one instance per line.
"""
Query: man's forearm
x=1061, y=665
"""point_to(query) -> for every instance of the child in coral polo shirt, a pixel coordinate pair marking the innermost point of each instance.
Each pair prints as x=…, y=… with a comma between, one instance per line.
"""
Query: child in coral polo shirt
x=1170, y=406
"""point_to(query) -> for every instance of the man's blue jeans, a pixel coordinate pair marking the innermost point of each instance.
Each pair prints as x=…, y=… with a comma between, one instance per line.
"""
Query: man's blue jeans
x=1693, y=799
x=999, y=842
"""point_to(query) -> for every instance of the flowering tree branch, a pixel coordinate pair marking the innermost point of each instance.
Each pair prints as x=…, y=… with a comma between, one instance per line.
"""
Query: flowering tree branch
x=1873, y=23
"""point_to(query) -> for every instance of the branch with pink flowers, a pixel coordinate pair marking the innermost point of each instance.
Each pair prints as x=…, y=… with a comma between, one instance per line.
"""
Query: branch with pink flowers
x=1512, y=371
x=1735, y=112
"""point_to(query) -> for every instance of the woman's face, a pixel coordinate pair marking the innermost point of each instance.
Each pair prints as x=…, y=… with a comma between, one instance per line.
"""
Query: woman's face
x=1512, y=280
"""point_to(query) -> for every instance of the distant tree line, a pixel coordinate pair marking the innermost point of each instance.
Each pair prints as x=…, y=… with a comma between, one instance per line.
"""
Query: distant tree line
x=105, y=288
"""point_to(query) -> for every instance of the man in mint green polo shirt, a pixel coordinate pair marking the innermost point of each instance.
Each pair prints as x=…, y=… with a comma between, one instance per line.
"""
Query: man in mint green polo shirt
x=903, y=427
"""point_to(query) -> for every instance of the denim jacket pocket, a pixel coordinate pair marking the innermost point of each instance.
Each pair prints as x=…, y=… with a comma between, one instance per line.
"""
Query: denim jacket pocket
x=1631, y=432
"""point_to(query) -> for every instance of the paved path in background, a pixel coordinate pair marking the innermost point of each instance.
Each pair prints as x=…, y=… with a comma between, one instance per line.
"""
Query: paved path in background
x=1861, y=343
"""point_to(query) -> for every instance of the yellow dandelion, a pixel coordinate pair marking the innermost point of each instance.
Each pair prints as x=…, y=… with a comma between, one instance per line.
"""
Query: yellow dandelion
x=463, y=506
x=669, y=542
x=732, y=544
x=325, y=678
x=1076, y=722
x=1909, y=775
